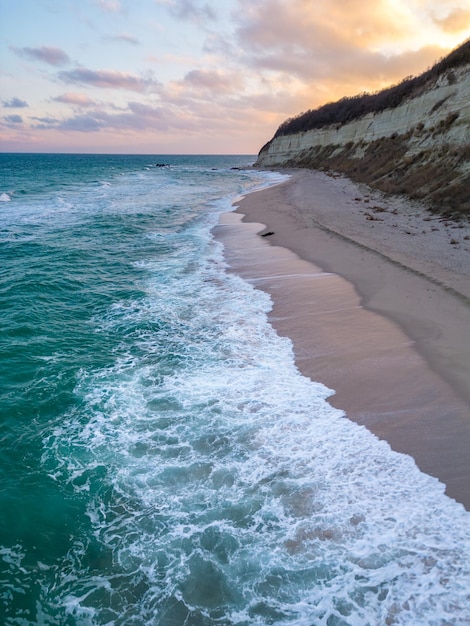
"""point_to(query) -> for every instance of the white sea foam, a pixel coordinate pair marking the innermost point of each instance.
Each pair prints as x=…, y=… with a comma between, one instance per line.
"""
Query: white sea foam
x=224, y=488
x=4, y=197
x=313, y=515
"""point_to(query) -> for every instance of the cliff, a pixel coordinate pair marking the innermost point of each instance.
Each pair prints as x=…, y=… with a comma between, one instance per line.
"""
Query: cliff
x=411, y=139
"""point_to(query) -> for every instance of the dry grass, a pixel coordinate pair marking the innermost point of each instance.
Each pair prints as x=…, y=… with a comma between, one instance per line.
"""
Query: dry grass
x=438, y=177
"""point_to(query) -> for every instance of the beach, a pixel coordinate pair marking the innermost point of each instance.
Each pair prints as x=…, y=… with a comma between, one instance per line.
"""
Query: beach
x=374, y=293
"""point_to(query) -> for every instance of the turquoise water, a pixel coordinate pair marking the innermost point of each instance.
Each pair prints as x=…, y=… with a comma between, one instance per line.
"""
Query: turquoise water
x=162, y=460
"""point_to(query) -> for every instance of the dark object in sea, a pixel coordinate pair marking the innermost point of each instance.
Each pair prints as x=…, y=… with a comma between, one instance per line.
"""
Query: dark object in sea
x=161, y=165
x=267, y=234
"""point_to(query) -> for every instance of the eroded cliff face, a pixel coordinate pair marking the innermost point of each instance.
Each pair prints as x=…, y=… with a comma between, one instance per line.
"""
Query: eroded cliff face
x=420, y=148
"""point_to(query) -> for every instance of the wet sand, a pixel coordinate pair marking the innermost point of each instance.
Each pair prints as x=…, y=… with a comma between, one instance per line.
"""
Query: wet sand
x=375, y=312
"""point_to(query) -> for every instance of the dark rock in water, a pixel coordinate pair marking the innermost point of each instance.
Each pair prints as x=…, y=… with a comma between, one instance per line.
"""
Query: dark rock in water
x=267, y=234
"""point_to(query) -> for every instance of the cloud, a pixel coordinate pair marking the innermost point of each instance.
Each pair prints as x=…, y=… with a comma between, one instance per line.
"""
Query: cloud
x=136, y=116
x=85, y=123
x=190, y=10
x=146, y=110
x=13, y=119
x=47, y=54
x=45, y=122
x=107, y=79
x=125, y=37
x=298, y=25
x=121, y=122
x=81, y=123
x=184, y=115
x=297, y=34
x=76, y=99
x=456, y=21
x=213, y=81
x=333, y=48
x=15, y=103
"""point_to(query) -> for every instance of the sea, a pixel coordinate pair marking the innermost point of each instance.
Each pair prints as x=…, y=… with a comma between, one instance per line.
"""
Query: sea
x=162, y=460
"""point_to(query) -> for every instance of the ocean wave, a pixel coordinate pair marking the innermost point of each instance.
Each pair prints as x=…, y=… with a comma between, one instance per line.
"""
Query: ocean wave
x=184, y=470
x=239, y=494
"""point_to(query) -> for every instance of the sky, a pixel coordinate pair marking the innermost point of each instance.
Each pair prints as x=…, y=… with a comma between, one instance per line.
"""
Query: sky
x=200, y=76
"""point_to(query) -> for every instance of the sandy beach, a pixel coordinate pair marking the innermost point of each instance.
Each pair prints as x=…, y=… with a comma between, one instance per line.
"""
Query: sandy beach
x=375, y=295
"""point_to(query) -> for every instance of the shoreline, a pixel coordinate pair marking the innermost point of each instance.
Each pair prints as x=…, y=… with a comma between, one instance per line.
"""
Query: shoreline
x=377, y=314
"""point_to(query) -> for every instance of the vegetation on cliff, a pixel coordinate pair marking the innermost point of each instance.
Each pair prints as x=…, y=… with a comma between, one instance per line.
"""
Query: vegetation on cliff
x=428, y=176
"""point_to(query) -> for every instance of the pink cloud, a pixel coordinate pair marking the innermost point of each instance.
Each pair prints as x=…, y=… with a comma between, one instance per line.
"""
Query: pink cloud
x=332, y=45
x=77, y=99
x=212, y=80
x=47, y=54
x=106, y=79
